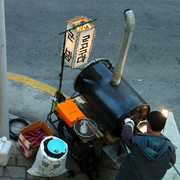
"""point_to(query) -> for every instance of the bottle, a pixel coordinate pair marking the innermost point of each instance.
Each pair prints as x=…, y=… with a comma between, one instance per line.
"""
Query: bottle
x=5, y=150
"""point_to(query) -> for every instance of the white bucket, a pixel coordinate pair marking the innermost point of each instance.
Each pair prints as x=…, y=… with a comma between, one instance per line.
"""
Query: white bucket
x=47, y=166
x=5, y=150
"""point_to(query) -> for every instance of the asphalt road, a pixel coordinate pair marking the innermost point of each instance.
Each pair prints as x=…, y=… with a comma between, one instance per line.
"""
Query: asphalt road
x=152, y=66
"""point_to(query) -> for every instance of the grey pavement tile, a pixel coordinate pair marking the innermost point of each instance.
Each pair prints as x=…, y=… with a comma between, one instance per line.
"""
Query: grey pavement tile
x=1, y=178
x=14, y=149
x=12, y=160
x=1, y=170
x=62, y=176
x=22, y=161
x=15, y=172
x=36, y=178
x=65, y=176
x=29, y=176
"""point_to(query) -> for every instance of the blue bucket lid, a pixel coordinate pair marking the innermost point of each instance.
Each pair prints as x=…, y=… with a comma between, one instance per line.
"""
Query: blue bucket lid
x=56, y=146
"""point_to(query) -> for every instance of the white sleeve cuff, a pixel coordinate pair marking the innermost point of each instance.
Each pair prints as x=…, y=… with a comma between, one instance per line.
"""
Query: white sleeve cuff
x=130, y=124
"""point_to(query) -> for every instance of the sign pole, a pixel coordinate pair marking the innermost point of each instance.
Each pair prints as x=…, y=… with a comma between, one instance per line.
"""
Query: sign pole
x=60, y=97
x=4, y=121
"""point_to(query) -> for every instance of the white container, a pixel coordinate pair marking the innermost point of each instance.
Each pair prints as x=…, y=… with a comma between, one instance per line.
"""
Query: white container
x=5, y=149
x=83, y=128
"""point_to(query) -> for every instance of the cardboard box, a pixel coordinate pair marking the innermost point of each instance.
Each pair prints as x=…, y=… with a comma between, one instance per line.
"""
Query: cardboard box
x=24, y=145
x=69, y=112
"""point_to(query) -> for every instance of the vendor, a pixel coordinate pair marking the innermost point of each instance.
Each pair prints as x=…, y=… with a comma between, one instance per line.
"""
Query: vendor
x=151, y=153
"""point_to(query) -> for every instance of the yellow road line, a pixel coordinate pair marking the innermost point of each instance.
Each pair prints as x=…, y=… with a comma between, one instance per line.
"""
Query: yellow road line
x=32, y=82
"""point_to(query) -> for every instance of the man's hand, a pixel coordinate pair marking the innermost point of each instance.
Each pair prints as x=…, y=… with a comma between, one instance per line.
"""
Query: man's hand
x=129, y=122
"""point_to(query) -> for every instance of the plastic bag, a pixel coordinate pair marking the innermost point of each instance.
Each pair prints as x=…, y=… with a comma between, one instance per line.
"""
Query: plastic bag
x=47, y=166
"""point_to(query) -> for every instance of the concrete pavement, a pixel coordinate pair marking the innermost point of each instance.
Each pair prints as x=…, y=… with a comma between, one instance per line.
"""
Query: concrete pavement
x=28, y=100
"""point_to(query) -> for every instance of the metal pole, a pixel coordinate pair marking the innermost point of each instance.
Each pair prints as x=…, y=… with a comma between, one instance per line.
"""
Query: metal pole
x=124, y=46
x=4, y=121
x=60, y=96
x=175, y=168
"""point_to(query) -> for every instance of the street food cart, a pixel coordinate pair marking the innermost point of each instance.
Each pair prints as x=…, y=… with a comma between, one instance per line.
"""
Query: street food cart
x=95, y=117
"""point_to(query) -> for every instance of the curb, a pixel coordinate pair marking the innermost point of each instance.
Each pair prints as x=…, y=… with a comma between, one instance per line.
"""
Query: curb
x=34, y=83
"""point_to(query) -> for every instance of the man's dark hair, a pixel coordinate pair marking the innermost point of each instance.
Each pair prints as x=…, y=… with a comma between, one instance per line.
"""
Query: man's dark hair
x=156, y=120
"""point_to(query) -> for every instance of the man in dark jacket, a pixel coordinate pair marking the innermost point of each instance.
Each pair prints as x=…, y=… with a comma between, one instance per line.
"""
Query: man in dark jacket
x=151, y=153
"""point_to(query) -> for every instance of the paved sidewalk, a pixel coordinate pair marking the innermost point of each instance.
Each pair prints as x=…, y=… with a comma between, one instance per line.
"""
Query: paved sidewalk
x=34, y=104
x=17, y=167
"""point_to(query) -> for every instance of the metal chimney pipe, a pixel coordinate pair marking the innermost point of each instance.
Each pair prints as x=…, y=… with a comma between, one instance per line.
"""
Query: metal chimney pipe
x=4, y=121
x=124, y=46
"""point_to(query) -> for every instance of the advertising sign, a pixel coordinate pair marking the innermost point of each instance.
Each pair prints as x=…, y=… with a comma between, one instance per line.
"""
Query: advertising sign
x=78, y=43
